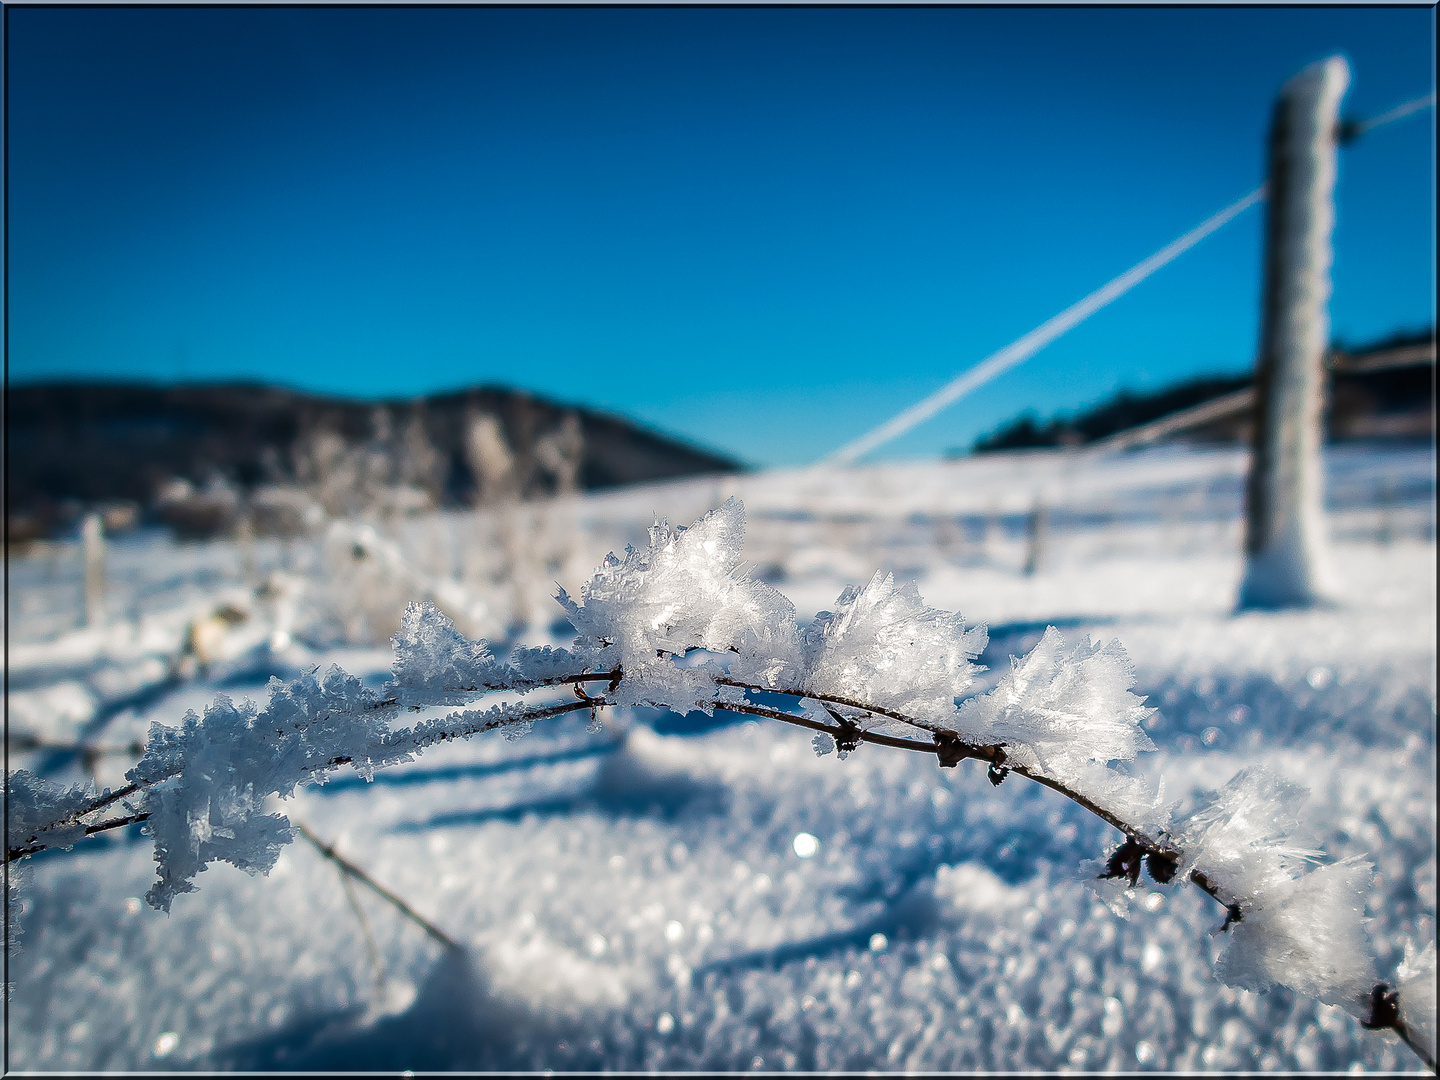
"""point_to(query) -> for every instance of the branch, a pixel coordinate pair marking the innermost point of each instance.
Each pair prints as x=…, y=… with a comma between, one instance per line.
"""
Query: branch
x=835, y=699
x=370, y=883
x=1160, y=858
x=1139, y=850
x=398, y=738
x=90, y=830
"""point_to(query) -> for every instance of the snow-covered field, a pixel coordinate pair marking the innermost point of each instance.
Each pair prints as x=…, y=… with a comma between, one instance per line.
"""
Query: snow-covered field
x=694, y=893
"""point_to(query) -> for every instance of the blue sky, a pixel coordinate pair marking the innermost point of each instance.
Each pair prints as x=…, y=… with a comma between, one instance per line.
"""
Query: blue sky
x=765, y=230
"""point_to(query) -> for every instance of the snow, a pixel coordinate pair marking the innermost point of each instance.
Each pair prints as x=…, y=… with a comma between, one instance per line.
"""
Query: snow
x=602, y=881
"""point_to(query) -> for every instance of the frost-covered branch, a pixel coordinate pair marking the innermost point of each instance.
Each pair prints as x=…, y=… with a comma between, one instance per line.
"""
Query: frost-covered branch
x=681, y=625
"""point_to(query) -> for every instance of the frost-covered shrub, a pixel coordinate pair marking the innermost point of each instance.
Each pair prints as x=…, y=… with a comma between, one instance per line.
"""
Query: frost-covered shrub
x=682, y=625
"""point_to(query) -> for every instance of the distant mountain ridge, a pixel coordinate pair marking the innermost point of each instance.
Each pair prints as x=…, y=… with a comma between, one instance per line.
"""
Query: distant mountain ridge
x=1388, y=401
x=95, y=442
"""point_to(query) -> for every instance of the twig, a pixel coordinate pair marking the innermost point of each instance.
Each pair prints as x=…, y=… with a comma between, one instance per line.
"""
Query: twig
x=952, y=748
x=365, y=879
x=335, y=762
x=1411, y=1039
x=370, y=945
x=836, y=699
x=354, y=902
x=90, y=830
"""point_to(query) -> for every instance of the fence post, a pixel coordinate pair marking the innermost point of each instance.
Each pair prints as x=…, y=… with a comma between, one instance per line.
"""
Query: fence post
x=1037, y=526
x=245, y=541
x=1286, y=547
x=92, y=543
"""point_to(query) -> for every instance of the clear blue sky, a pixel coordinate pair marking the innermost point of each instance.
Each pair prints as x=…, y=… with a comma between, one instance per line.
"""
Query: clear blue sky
x=763, y=230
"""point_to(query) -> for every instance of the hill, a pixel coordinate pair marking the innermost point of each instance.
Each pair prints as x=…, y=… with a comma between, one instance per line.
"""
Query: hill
x=72, y=443
x=1384, y=389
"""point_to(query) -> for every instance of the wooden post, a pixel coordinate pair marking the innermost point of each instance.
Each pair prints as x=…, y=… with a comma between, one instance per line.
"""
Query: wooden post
x=92, y=543
x=245, y=541
x=1036, y=526
x=1286, y=547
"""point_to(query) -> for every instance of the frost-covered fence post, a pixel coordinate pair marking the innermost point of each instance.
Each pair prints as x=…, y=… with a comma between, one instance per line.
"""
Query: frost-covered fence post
x=990, y=523
x=1387, y=502
x=1036, y=526
x=1285, y=543
x=92, y=544
x=245, y=541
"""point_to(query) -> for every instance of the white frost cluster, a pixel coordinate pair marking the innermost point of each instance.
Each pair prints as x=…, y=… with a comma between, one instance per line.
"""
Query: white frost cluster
x=1068, y=714
x=435, y=664
x=211, y=776
x=1248, y=839
x=1307, y=933
x=35, y=806
x=882, y=646
x=1417, y=993
x=686, y=590
x=1304, y=930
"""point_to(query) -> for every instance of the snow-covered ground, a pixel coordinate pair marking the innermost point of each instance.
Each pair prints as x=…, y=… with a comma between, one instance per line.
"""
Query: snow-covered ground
x=636, y=897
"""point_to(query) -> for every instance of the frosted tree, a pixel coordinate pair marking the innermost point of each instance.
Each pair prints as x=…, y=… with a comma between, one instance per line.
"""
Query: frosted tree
x=561, y=453
x=490, y=459
x=500, y=477
x=881, y=668
x=419, y=464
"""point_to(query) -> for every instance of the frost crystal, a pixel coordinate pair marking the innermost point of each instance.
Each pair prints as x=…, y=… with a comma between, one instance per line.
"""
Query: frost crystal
x=883, y=646
x=38, y=811
x=435, y=664
x=1247, y=838
x=432, y=656
x=1307, y=933
x=36, y=806
x=1301, y=930
x=686, y=590
x=1069, y=714
x=1417, y=994
x=213, y=774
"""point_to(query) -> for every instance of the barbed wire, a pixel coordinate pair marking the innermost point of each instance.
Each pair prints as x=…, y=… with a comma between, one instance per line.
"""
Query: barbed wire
x=1023, y=348
x=1350, y=130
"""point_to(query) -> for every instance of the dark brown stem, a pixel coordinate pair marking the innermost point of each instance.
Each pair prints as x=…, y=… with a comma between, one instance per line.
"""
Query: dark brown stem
x=114, y=797
x=90, y=830
x=1412, y=1040
x=952, y=747
x=829, y=729
x=559, y=680
x=836, y=699
x=528, y=717
x=370, y=883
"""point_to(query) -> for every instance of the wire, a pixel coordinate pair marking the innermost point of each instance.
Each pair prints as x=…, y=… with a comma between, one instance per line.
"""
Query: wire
x=1355, y=128
x=1023, y=348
